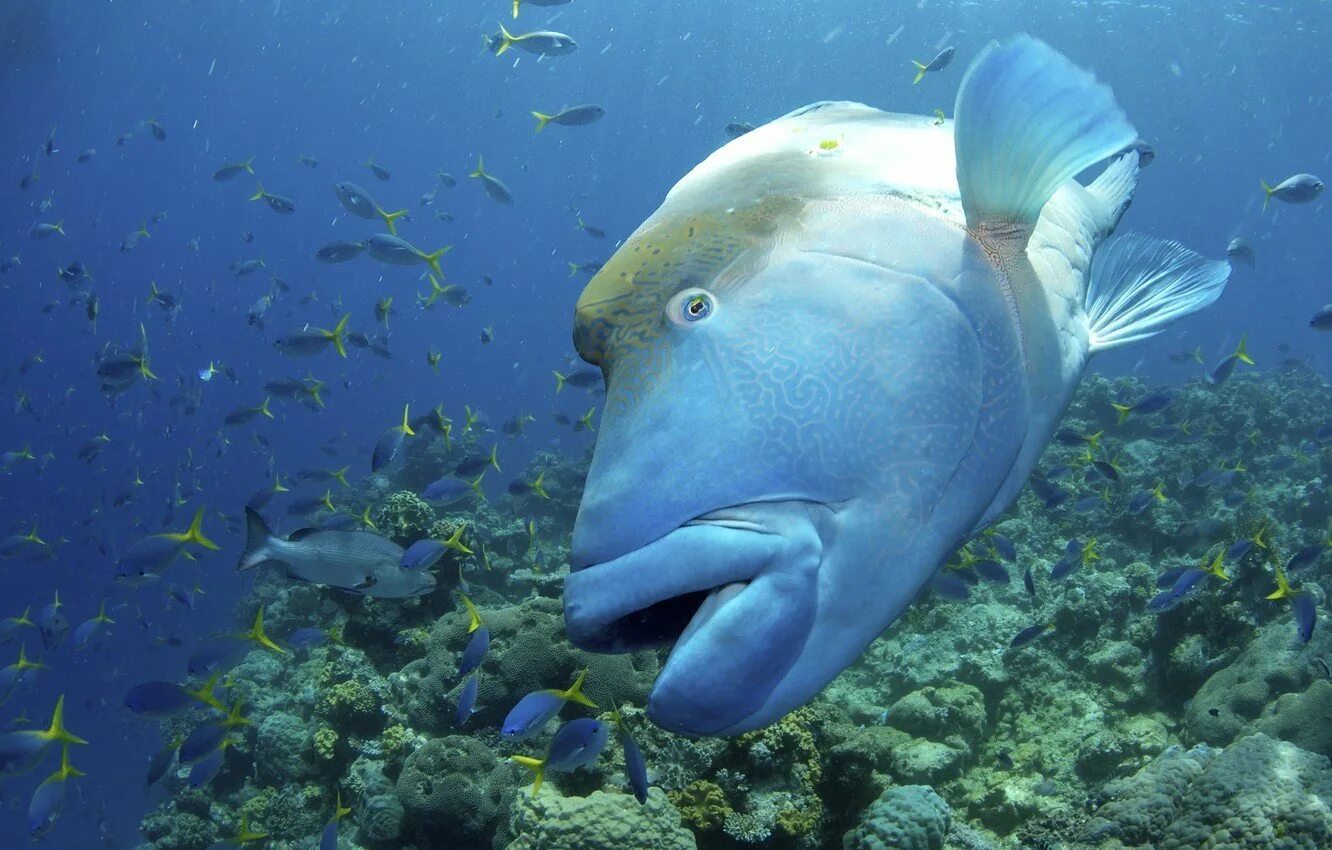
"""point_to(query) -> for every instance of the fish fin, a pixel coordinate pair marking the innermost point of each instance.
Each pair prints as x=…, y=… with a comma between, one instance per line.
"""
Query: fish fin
x=300, y=534
x=575, y=692
x=920, y=72
x=1026, y=121
x=1141, y=284
x=1113, y=188
x=542, y=121
x=506, y=41
x=257, y=537
x=537, y=766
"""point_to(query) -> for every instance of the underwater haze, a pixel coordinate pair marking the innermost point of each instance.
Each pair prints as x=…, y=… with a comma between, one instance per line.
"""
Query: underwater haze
x=299, y=449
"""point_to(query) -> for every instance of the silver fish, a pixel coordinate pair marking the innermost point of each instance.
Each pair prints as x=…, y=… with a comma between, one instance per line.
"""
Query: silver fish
x=355, y=561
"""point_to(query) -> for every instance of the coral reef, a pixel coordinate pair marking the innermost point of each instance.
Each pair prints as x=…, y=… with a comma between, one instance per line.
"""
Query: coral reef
x=941, y=736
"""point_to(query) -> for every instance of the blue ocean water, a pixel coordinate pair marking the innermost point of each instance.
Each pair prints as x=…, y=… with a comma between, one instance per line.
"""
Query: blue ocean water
x=1227, y=95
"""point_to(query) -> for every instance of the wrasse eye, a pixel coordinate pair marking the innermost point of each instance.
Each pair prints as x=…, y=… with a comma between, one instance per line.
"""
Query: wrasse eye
x=689, y=306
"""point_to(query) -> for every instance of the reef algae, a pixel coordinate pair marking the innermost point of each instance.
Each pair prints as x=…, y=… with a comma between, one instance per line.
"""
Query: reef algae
x=1073, y=741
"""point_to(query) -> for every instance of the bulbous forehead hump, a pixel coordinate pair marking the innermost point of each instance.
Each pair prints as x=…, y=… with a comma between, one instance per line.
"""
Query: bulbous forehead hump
x=622, y=306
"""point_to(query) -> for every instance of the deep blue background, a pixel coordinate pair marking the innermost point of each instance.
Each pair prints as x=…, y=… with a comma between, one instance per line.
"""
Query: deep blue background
x=1228, y=97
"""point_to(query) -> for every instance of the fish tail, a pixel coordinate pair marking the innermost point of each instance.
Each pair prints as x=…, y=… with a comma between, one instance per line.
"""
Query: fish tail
x=1124, y=411
x=195, y=532
x=920, y=72
x=494, y=457
x=542, y=119
x=516, y=4
x=249, y=165
x=480, y=167
x=257, y=537
x=337, y=335
x=263, y=408
x=506, y=41
x=575, y=692
x=407, y=428
x=258, y=193
x=537, y=766
x=390, y=218
x=57, y=731
x=433, y=260
x=559, y=381
x=1242, y=351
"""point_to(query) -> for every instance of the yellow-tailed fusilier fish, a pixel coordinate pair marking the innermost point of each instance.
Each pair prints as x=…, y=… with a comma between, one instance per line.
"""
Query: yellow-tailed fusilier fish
x=834, y=353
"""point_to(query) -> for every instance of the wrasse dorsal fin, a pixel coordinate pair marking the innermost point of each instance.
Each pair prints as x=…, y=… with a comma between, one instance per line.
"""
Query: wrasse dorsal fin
x=1026, y=121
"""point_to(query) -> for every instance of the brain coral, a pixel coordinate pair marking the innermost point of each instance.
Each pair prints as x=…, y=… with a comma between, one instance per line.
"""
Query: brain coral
x=905, y=817
x=1257, y=794
x=599, y=821
x=454, y=791
x=1272, y=687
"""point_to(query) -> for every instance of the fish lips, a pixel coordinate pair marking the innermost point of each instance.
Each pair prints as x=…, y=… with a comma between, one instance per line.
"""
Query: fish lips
x=735, y=590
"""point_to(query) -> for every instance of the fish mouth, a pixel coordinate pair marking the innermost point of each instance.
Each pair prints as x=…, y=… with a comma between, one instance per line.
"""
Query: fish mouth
x=734, y=590
x=620, y=606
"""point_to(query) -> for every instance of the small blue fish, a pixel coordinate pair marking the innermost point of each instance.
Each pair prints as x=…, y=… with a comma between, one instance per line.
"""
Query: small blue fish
x=1302, y=606
x=160, y=699
x=447, y=489
x=1239, y=549
x=22, y=750
x=1168, y=578
x=467, y=700
x=1088, y=504
x=423, y=554
x=1029, y=635
x=328, y=839
x=475, y=652
x=1051, y=495
x=390, y=442
x=535, y=710
x=202, y=741
x=208, y=737
x=310, y=637
x=1186, y=583
x=90, y=628
x=635, y=766
x=990, y=570
x=53, y=625
x=1281, y=463
x=950, y=586
x=207, y=767
x=161, y=762
x=576, y=744
x=1306, y=556
x=215, y=655
x=49, y=799
x=1150, y=403
x=1140, y=501
x=1003, y=547
x=1207, y=478
x=1064, y=566
x=1101, y=469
